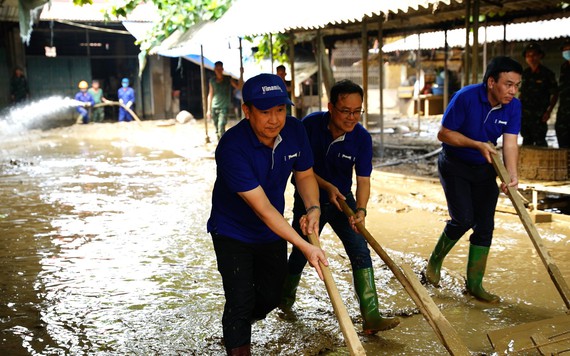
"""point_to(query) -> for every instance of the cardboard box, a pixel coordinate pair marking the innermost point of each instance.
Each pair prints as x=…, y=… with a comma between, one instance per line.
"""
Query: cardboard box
x=542, y=163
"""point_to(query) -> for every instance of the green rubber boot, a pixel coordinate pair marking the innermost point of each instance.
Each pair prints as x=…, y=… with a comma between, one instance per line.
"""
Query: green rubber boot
x=289, y=291
x=441, y=249
x=372, y=321
x=475, y=271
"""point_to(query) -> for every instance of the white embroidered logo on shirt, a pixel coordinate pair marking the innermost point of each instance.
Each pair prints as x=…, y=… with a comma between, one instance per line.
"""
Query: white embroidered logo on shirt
x=291, y=156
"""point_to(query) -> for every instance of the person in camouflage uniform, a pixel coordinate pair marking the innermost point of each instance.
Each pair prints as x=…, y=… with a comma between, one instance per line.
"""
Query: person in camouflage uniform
x=538, y=95
x=562, y=125
x=19, y=90
x=220, y=97
x=98, y=113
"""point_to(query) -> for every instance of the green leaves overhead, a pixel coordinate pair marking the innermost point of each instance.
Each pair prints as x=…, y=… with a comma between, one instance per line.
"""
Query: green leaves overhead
x=82, y=2
x=175, y=15
x=180, y=15
x=279, y=48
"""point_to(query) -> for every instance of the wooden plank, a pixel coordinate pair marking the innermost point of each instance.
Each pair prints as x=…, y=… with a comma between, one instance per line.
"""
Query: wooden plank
x=519, y=339
x=441, y=326
x=541, y=217
x=543, y=345
x=547, y=260
x=346, y=326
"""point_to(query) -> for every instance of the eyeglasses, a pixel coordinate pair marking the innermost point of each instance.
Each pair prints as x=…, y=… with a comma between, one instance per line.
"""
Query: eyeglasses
x=346, y=113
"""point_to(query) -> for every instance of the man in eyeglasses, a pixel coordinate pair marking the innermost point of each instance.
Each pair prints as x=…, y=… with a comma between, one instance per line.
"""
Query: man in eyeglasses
x=340, y=144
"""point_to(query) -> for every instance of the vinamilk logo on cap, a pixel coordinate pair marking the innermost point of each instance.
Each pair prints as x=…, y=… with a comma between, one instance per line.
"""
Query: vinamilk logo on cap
x=265, y=91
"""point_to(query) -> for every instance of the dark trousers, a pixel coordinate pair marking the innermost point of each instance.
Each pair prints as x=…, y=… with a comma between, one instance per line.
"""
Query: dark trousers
x=533, y=130
x=355, y=244
x=253, y=276
x=471, y=192
x=562, y=132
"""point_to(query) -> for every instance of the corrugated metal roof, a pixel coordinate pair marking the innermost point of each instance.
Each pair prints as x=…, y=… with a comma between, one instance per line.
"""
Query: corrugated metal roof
x=338, y=17
x=66, y=10
x=9, y=11
x=332, y=15
x=538, y=30
x=311, y=14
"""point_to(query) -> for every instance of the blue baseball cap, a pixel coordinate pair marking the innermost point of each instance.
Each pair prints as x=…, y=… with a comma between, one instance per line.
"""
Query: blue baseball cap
x=265, y=91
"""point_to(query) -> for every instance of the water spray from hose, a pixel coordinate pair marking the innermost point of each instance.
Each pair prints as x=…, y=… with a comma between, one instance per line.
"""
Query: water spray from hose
x=23, y=116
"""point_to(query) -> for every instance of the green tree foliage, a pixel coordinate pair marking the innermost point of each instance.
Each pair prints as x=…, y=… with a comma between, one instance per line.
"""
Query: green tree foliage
x=181, y=15
x=265, y=49
x=174, y=14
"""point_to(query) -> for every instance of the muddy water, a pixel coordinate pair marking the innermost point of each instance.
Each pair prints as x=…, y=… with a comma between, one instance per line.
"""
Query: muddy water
x=103, y=251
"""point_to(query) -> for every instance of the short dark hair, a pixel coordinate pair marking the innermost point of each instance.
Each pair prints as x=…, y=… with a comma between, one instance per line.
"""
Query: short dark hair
x=218, y=63
x=345, y=86
x=501, y=64
x=280, y=67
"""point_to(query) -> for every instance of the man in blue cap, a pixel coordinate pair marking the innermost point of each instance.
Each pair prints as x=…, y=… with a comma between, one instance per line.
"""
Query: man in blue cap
x=126, y=96
x=255, y=159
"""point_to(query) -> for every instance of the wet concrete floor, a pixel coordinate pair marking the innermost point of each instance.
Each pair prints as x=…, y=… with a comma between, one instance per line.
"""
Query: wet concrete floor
x=104, y=251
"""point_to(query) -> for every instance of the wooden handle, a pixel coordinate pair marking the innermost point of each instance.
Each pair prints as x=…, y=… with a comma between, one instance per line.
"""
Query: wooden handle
x=346, y=326
x=406, y=276
x=523, y=214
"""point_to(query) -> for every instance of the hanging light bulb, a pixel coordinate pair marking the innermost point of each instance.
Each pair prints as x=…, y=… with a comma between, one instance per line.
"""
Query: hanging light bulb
x=50, y=50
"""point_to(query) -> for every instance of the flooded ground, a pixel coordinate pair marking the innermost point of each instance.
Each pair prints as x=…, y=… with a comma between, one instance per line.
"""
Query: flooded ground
x=104, y=251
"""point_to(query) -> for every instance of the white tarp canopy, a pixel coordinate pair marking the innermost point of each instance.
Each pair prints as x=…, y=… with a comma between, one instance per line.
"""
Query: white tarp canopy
x=200, y=38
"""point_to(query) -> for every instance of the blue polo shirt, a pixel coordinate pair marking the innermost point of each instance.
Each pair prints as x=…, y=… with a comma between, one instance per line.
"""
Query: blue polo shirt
x=470, y=113
x=334, y=160
x=244, y=163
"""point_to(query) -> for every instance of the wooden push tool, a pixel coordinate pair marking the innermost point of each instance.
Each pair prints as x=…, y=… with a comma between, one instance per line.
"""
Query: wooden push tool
x=405, y=275
x=526, y=219
x=346, y=326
